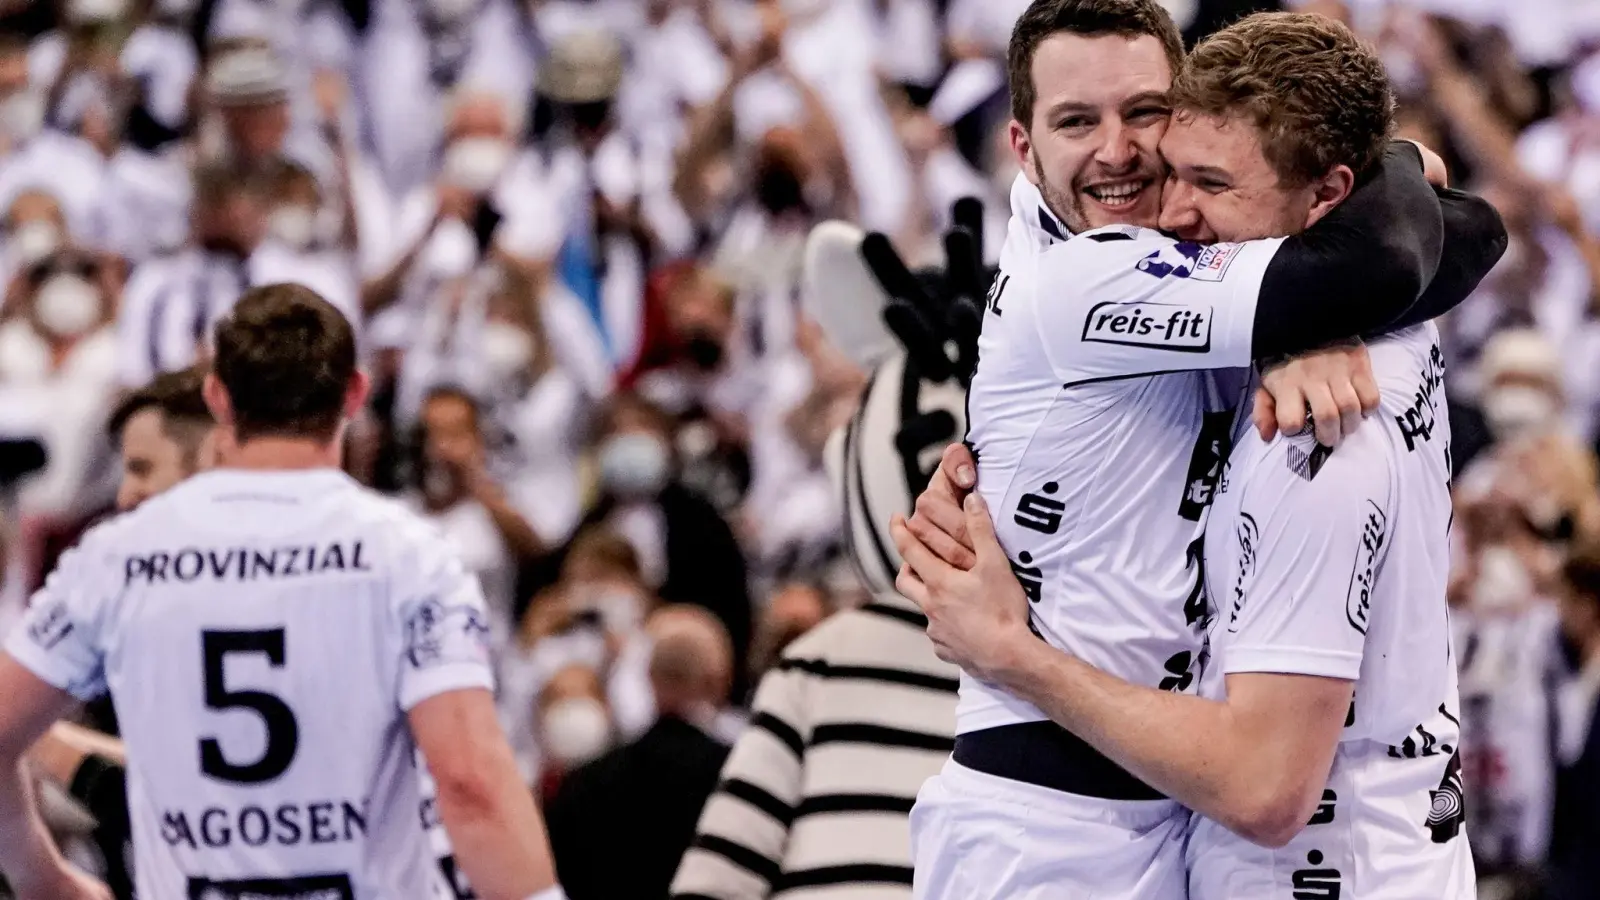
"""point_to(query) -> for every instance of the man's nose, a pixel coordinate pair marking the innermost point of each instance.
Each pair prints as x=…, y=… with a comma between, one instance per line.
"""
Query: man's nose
x=1117, y=150
x=1178, y=211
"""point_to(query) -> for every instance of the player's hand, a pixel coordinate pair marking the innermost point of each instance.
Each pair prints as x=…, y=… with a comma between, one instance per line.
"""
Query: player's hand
x=1433, y=167
x=939, y=523
x=1336, y=385
x=976, y=617
x=63, y=883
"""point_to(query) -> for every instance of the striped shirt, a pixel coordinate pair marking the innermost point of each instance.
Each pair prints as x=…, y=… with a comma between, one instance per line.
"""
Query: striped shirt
x=814, y=799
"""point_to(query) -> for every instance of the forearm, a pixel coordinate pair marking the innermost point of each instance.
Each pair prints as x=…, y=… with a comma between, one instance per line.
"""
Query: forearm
x=26, y=850
x=1358, y=270
x=514, y=529
x=1475, y=239
x=499, y=841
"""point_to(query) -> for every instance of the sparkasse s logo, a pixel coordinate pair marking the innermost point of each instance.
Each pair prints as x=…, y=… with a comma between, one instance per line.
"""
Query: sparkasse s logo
x=1164, y=326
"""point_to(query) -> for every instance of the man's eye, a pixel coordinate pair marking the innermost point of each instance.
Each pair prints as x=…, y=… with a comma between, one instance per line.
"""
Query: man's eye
x=1075, y=122
x=1149, y=113
x=1212, y=186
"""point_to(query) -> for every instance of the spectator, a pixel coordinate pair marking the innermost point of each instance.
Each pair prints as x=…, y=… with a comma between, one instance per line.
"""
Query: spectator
x=687, y=552
x=669, y=771
x=34, y=230
x=1574, y=866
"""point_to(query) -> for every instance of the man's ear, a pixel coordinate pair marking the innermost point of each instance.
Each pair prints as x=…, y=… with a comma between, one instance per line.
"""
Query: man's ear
x=1329, y=191
x=356, y=393
x=1022, y=149
x=216, y=397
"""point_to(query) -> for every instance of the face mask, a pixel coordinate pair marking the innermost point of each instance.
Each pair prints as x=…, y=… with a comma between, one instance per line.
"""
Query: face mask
x=67, y=305
x=33, y=242
x=293, y=225
x=452, y=251
x=704, y=352
x=475, y=164
x=21, y=116
x=634, y=465
x=575, y=730
x=620, y=611
x=1503, y=581
x=507, y=350
x=441, y=485
x=1517, y=409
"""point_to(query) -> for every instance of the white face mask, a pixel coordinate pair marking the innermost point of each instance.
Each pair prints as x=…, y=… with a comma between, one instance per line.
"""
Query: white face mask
x=452, y=251
x=475, y=164
x=33, y=242
x=1503, y=581
x=22, y=116
x=1517, y=409
x=575, y=730
x=507, y=351
x=67, y=305
x=293, y=225
x=620, y=610
x=634, y=466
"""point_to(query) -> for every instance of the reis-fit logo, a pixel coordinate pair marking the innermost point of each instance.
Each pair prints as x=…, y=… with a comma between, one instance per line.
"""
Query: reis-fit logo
x=1186, y=259
x=1358, y=601
x=1186, y=329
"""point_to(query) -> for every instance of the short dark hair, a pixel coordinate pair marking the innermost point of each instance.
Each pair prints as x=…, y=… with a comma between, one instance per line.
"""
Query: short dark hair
x=454, y=392
x=180, y=399
x=1089, y=18
x=1319, y=96
x=1582, y=574
x=286, y=357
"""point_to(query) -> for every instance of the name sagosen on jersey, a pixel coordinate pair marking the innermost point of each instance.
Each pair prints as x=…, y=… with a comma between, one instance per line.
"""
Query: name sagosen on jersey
x=188, y=564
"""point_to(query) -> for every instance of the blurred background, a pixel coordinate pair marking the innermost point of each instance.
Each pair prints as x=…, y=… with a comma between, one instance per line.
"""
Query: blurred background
x=570, y=234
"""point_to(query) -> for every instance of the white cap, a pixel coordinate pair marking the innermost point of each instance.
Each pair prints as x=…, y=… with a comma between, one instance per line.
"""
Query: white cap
x=246, y=76
x=85, y=12
x=1520, y=351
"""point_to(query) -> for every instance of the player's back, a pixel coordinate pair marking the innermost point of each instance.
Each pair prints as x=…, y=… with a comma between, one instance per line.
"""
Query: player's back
x=1100, y=415
x=1367, y=604
x=265, y=636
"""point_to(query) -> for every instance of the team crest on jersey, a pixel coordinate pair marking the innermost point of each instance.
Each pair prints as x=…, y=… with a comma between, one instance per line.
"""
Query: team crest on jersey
x=1163, y=326
x=437, y=634
x=1358, y=600
x=1186, y=259
x=50, y=625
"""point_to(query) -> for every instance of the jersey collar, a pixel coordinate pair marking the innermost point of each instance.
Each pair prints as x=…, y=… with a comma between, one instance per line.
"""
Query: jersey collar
x=1028, y=207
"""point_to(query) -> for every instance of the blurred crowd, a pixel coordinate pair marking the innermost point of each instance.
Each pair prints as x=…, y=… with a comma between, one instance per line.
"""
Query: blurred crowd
x=571, y=235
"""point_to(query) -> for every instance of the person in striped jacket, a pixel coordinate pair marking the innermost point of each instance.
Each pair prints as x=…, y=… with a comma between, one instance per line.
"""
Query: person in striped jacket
x=815, y=797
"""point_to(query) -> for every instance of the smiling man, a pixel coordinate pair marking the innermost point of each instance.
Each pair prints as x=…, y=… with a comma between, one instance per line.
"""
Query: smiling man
x=1099, y=451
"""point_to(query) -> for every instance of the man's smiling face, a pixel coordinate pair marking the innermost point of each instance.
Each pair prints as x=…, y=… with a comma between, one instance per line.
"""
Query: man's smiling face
x=1100, y=112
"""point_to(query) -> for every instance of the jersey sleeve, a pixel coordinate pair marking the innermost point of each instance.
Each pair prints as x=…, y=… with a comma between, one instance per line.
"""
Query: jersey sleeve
x=59, y=637
x=1312, y=533
x=443, y=627
x=1121, y=302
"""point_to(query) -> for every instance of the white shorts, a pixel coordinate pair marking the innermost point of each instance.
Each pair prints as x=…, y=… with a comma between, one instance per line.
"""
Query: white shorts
x=978, y=837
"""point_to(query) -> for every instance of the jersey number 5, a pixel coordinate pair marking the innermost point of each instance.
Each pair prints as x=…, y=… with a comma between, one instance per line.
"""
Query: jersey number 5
x=283, y=732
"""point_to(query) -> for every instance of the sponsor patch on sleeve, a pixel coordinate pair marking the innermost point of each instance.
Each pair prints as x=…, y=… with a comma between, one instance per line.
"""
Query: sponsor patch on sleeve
x=1358, y=600
x=50, y=624
x=438, y=635
x=1163, y=326
x=1186, y=259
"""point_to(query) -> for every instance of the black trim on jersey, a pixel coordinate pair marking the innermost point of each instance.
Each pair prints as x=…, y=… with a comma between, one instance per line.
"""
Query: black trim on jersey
x=1107, y=237
x=1047, y=755
x=824, y=669
x=879, y=735
x=286, y=888
x=781, y=730
x=694, y=897
x=823, y=804
x=760, y=866
x=760, y=799
x=908, y=616
x=854, y=873
x=1048, y=222
x=1124, y=377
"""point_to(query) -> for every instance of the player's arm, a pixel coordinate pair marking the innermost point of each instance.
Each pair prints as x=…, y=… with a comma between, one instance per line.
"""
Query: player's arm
x=440, y=633
x=51, y=660
x=66, y=747
x=496, y=832
x=1256, y=763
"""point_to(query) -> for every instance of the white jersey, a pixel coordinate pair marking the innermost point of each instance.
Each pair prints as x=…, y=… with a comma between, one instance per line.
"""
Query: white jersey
x=262, y=635
x=1099, y=435
x=1335, y=565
